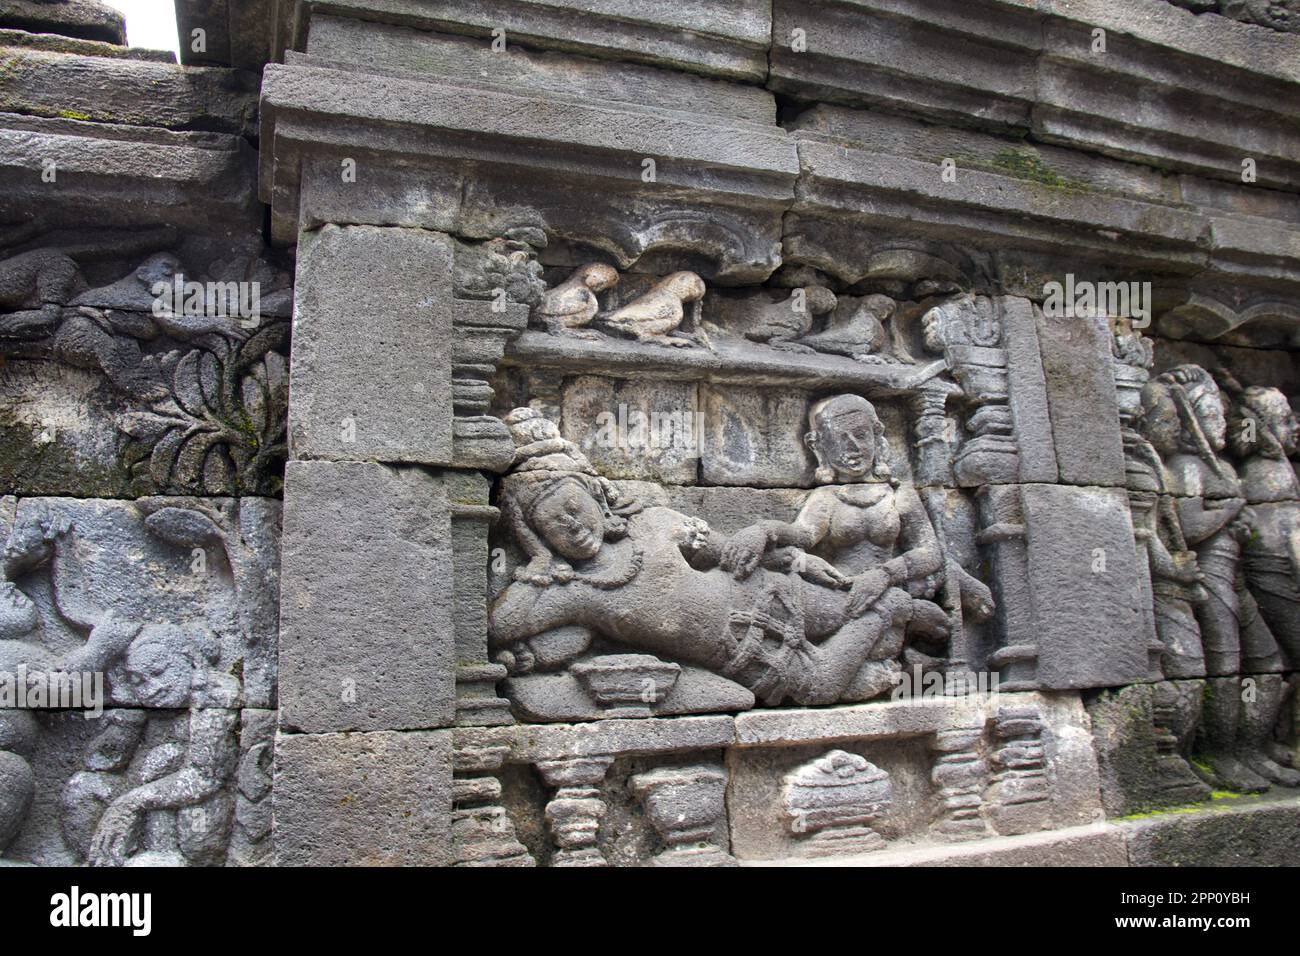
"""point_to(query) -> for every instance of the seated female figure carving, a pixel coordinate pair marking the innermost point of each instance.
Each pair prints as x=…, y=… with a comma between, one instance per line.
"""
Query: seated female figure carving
x=859, y=521
x=649, y=580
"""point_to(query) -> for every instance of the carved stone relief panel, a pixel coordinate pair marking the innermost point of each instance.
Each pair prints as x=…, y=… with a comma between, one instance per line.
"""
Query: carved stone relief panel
x=143, y=637
x=139, y=364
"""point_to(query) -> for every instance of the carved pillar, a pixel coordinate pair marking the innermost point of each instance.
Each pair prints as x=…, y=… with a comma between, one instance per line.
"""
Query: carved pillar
x=1003, y=534
x=477, y=703
x=482, y=832
x=575, y=811
x=1018, y=798
x=687, y=806
x=1143, y=495
x=960, y=773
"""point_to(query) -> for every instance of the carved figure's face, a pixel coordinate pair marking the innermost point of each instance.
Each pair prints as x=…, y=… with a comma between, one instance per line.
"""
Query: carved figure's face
x=1214, y=423
x=570, y=521
x=27, y=547
x=159, y=671
x=597, y=277
x=687, y=285
x=1281, y=420
x=1160, y=422
x=848, y=443
x=159, y=268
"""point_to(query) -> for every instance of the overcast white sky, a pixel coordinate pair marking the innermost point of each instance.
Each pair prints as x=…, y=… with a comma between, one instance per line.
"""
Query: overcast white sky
x=149, y=23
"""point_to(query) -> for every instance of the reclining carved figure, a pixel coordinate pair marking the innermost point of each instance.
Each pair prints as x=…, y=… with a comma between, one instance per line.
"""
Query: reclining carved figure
x=790, y=628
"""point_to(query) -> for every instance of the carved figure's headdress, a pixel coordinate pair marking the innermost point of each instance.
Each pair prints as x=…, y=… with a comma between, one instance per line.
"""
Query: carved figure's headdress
x=1190, y=386
x=1255, y=414
x=544, y=460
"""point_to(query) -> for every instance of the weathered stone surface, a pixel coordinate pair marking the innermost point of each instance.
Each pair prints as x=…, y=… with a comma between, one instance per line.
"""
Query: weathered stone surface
x=127, y=91
x=367, y=634
x=204, y=567
x=1241, y=832
x=1083, y=581
x=1034, y=68
x=60, y=44
x=206, y=771
x=85, y=19
x=371, y=362
x=728, y=39
x=382, y=47
x=635, y=430
x=131, y=176
x=1081, y=399
x=1142, y=737
x=1027, y=393
x=741, y=164
x=1092, y=845
x=114, y=386
x=370, y=799
x=754, y=437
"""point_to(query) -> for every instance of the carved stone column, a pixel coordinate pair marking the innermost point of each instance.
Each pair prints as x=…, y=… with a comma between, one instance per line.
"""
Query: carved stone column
x=687, y=806
x=960, y=774
x=1018, y=799
x=575, y=811
x=482, y=832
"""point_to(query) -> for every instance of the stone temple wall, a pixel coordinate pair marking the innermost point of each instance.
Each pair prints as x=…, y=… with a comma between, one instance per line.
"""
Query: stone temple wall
x=601, y=432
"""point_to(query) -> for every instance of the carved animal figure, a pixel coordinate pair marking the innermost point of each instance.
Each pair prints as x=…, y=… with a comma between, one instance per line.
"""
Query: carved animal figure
x=861, y=336
x=572, y=304
x=653, y=316
x=781, y=323
x=33, y=287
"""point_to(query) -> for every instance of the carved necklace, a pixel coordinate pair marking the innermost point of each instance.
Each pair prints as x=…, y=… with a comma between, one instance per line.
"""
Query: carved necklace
x=611, y=580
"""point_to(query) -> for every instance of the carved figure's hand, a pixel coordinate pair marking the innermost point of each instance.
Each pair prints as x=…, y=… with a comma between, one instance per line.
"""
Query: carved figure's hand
x=543, y=570
x=867, y=589
x=114, y=835
x=743, y=551
x=814, y=569
x=113, y=634
x=977, y=599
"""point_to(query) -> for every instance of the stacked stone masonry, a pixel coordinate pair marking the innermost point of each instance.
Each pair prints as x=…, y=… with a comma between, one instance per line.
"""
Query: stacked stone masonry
x=603, y=433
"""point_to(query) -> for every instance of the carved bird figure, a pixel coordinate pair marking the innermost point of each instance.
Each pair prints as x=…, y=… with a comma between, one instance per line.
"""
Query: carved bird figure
x=780, y=323
x=861, y=335
x=652, y=316
x=572, y=304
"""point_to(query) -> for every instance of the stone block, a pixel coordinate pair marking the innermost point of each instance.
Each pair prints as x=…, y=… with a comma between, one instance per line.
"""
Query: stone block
x=128, y=91
x=83, y=19
x=367, y=634
x=372, y=799
x=754, y=437
x=371, y=356
x=1082, y=576
x=728, y=39
x=631, y=429
x=1095, y=845
x=401, y=49
x=1076, y=353
x=1233, y=832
